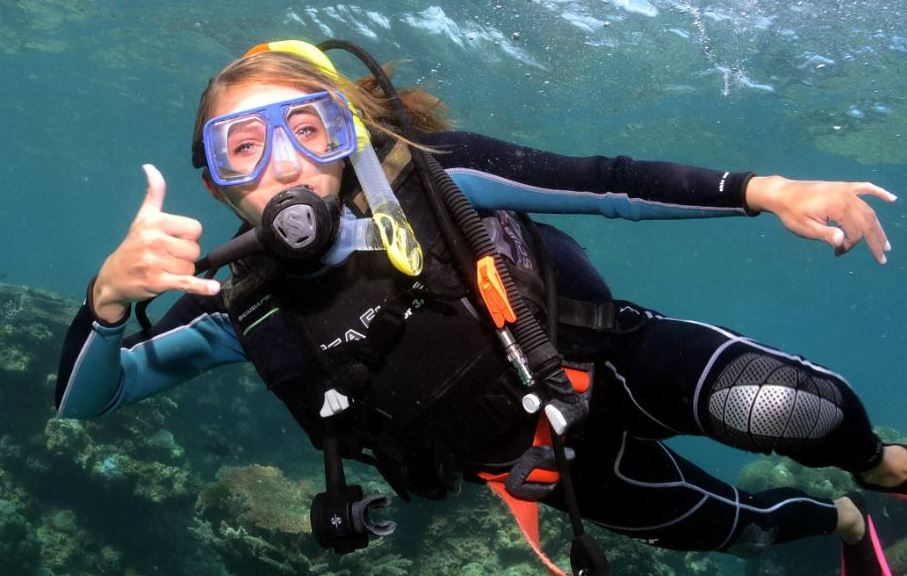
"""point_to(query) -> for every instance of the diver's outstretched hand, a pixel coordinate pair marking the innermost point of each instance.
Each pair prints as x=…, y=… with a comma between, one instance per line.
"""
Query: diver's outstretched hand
x=157, y=255
x=832, y=212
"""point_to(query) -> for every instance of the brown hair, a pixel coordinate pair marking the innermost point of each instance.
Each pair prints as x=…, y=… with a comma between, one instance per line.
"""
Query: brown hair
x=427, y=113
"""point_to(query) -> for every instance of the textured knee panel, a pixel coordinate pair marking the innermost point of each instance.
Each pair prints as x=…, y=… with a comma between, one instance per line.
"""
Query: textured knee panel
x=762, y=403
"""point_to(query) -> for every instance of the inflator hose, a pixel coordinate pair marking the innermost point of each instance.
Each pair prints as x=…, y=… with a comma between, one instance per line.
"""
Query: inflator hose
x=543, y=357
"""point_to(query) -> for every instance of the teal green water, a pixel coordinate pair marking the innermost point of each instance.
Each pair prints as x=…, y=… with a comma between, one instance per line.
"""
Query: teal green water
x=810, y=89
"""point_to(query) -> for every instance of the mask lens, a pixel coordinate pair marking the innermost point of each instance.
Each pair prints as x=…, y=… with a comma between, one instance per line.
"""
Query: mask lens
x=238, y=145
x=319, y=127
x=308, y=129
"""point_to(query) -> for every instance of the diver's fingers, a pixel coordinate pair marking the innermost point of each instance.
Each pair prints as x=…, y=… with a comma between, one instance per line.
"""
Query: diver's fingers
x=859, y=221
x=831, y=235
x=877, y=191
x=875, y=234
x=850, y=219
x=167, y=267
x=190, y=284
x=876, y=239
x=156, y=270
x=180, y=226
x=180, y=248
x=157, y=189
x=164, y=272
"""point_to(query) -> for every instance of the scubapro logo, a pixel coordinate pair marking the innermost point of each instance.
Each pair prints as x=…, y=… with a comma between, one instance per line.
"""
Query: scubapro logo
x=254, y=307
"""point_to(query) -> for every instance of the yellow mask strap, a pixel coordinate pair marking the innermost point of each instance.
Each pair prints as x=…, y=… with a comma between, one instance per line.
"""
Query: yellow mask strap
x=314, y=55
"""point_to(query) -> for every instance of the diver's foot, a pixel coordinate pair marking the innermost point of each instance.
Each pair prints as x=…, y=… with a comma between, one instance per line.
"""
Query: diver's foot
x=851, y=524
x=890, y=475
x=863, y=557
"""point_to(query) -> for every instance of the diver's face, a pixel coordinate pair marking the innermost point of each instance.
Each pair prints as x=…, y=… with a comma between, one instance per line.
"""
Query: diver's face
x=294, y=169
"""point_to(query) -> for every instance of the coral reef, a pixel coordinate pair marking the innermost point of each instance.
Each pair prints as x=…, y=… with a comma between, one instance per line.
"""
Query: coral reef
x=475, y=533
x=897, y=557
x=32, y=326
x=258, y=498
x=258, y=519
x=779, y=472
x=19, y=548
x=68, y=547
x=123, y=453
x=68, y=487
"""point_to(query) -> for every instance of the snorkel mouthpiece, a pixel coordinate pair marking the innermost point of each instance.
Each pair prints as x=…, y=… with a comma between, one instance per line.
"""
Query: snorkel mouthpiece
x=397, y=236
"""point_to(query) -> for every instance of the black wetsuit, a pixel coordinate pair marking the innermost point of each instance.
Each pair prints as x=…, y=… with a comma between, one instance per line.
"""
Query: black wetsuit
x=655, y=376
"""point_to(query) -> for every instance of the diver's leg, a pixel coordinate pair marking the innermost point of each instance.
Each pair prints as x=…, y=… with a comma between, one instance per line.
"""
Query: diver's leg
x=643, y=489
x=679, y=376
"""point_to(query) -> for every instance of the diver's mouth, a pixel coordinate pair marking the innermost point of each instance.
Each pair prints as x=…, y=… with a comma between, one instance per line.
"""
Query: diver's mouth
x=314, y=190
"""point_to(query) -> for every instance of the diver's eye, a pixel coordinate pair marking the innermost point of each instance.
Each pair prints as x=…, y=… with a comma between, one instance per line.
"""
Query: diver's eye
x=246, y=148
x=305, y=132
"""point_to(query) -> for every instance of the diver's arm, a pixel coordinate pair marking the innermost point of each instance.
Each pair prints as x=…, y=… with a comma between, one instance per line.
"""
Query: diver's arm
x=97, y=372
x=100, y=371
x=499, y=175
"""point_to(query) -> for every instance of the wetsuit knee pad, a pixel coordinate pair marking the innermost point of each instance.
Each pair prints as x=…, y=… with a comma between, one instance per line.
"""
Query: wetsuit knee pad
x=761, y=402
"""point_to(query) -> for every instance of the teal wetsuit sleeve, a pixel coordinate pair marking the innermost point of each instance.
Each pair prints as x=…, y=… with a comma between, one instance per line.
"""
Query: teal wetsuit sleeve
x=490, y=192
x=100, y=374
x=499, y=175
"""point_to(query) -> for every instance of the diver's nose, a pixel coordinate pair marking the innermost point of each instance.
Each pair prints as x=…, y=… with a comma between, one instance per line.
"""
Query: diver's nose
x=285, y=164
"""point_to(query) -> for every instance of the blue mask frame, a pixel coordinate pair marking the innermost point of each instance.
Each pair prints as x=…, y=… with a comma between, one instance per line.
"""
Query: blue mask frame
x=336, y=116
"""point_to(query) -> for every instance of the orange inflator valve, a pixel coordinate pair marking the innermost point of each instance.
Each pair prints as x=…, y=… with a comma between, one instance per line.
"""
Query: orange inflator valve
x=493, y=292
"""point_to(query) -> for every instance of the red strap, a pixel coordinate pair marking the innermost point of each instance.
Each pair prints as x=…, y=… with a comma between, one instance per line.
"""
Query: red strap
x=579, y=379
x=526, y=513
x=527, y=518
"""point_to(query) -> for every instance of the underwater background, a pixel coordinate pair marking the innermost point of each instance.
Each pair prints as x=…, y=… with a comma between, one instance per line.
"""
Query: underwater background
x=214, y=478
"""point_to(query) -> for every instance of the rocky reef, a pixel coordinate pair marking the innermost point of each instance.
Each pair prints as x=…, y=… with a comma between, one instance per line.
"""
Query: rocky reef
x=777, y=472
x=258, y=520
x=215, y=479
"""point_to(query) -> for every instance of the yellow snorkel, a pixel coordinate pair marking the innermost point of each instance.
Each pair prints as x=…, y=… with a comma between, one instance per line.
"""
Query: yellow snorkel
x=397, y=236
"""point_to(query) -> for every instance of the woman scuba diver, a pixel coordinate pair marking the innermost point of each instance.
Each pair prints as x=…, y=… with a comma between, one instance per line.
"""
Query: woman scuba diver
x=388, y=289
